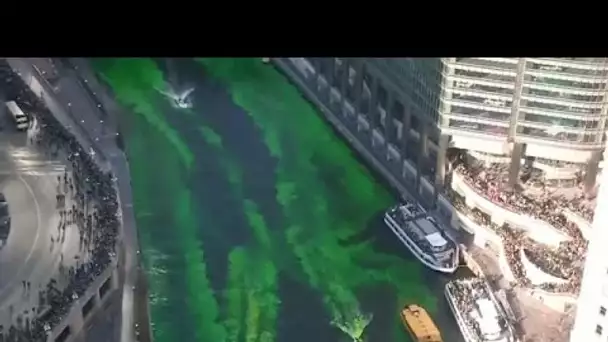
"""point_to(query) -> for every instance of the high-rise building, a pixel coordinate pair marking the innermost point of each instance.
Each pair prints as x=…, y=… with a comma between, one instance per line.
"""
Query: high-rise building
x=551, y=109
x=549, y=113
x=591, y=322
x=543, y=116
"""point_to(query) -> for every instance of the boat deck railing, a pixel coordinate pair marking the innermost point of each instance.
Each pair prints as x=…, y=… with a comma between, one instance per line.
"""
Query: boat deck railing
x=478, y=290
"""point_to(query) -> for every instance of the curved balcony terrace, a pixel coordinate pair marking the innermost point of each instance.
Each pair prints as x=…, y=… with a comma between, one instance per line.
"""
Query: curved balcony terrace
x=512, y=207
x=552, y=170
x=501, y=213
x=537, y=274
x=532, y=272
x=529, y=275
x=478, y=223
x=565, y=171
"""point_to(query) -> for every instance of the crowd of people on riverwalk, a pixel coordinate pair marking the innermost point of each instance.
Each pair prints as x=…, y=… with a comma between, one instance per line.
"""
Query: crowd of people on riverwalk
x=95, y=213
x=558, y=263
x=565, y=262
x=488, y=182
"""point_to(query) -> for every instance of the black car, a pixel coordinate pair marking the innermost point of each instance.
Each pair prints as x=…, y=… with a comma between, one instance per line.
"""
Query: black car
x=2, y=200
x=5, y=219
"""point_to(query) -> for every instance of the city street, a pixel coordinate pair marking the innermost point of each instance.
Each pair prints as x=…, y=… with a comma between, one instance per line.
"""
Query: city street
x=74, y=109
x=35, y=246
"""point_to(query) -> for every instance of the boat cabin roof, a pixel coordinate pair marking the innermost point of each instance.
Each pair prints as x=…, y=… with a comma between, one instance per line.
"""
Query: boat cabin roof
x=420, y=324
x=487, y=316
x=436, y=240
x=430, y=231
x=427, y=225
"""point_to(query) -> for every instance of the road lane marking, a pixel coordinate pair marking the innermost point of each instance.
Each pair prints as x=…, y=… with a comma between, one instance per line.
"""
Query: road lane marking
x=9, y=285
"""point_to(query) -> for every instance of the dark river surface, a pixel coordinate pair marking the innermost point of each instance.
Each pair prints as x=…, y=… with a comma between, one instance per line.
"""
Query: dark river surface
x=257, y=222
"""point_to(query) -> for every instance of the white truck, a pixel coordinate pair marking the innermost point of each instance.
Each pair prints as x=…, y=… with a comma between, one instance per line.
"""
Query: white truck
x=21, y=120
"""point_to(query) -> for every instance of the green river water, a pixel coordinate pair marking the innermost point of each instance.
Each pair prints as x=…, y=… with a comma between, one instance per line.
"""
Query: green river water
x=257, y=223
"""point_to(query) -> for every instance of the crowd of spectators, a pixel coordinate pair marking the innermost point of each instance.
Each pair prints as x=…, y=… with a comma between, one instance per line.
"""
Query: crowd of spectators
x=557, y=263
x=565, y=262
x=94, y=194
x=576, y=205
x=489, y=182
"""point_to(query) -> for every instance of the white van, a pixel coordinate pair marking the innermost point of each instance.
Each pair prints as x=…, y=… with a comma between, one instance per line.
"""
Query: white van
x=20, y=118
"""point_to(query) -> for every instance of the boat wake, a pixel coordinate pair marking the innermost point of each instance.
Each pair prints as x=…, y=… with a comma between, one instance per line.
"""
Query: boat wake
x=180, y=100
x=354, y=325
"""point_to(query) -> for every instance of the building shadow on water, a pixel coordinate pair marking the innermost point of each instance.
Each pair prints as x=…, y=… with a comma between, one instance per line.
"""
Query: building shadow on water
x=302, y=314
x=381, y=301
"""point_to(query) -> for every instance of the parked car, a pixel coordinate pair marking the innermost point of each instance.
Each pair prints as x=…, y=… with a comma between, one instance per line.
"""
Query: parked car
x=5, y=218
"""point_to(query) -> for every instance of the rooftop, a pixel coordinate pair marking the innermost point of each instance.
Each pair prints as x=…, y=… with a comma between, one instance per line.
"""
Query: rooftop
x=427, y=225
x=436, y=240
x=487, y=316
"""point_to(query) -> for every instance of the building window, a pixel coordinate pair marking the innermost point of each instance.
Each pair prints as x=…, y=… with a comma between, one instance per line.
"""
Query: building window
x=598, y=329
x=602, y=311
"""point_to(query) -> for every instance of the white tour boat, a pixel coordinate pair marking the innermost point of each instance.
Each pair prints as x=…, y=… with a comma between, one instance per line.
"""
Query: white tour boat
x=421, y=234
x=479, y=314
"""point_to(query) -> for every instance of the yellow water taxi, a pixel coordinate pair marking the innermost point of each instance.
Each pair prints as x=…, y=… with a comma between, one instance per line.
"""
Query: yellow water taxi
x=419, y=324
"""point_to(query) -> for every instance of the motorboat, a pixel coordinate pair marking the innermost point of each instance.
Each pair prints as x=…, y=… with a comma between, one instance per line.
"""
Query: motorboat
x=181, y=100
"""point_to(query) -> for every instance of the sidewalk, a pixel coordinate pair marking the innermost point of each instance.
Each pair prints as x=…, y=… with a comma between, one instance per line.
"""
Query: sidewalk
x=74, y=109
x=121, y=170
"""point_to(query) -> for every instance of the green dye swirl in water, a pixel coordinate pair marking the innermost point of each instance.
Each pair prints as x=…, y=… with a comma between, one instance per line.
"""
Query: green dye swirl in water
x=323, y=206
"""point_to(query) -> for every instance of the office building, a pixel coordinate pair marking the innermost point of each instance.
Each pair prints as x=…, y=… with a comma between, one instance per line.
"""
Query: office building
x=546, y=113
x=544, y=117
